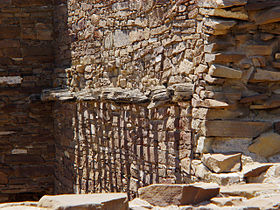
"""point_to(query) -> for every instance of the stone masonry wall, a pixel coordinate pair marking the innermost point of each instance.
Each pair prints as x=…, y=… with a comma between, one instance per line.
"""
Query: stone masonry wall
x=236, y=102
x=26, y=65
x=131, y=44
x=145, y=91
x=215, y=62
x=120, y=147
x=128, y=58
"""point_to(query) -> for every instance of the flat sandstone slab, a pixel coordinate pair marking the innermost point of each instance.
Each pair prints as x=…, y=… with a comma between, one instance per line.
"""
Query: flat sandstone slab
x=265, y=76
x=250, y=190
x=105, y=201
x=220, y=3
x=178, y=194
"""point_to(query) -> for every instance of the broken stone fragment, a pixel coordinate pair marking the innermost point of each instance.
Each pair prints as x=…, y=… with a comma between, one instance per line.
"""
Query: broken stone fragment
x=255, y=169
x=181, y=91
x=225, y=178
x=266, y=145
x=80, y=68
x=112, y=201
x=227, y=201
x=95, y=19
x=182, y=87
x=178, y=194
x=225, y=72
x=219, y=26
x=126, y=95
x=137, y=204
x=220, y=163
x=263, y=202
x=202, y=172
x=186, y=67
x=161, y=96
x=213, y=80
x=223, y=58
x=220, y=3
x=272, y=175
x=56, y=94
x=209, y=103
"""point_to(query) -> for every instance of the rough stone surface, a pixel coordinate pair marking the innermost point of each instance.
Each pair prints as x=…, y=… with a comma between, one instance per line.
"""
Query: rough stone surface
x=224, y=179
x=220, y=163
x=104, y=201
x=253, y=170
x=271, y=175
x=263, y=202
x=266, y=145
x=219, y=27
x=137, y=204
x=227, y=201
x=250, y=190
x=164, y=195
x=221, y=3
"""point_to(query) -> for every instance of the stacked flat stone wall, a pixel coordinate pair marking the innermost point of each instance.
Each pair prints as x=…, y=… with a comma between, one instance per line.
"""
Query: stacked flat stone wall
x=127, y=60
x=236, y=104
x=120, y=147
x=146, y=92
x=26, y=66
x=215, y=62
x=130, y=44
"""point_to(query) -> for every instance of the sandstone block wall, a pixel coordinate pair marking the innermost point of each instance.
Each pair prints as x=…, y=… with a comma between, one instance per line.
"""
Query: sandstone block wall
x=26, y=66
x=218, y=60
x=146, y=91
x=131, y=44
x=128, y=58
x=236, y=106
x=119, y=147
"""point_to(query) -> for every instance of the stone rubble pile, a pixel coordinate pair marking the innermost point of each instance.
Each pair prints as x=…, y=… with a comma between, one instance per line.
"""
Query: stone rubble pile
x=200, y=195
x=207, y=197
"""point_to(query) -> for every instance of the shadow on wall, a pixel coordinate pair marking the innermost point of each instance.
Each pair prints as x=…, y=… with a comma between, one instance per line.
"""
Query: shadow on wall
x=108, y=147
x=62, y=46
x=63, y=166
x=26, y=65
x=118, y=148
